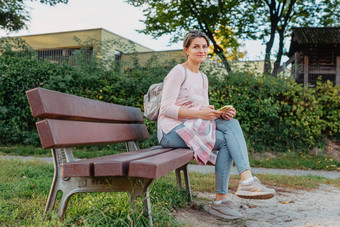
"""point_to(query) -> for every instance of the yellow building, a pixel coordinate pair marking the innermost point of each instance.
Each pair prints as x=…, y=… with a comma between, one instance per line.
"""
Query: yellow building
x=159, y=57
x=59, y=46
x=65, y=40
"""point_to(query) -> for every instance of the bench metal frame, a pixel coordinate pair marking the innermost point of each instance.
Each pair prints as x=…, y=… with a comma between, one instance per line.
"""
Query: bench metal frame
x=135, y=187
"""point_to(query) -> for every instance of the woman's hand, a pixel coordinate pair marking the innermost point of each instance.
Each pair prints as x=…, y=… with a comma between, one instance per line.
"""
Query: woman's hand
x=209, y=113
x=229, y=114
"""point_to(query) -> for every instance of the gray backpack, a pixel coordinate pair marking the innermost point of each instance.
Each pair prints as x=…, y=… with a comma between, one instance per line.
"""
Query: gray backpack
x=153, y=98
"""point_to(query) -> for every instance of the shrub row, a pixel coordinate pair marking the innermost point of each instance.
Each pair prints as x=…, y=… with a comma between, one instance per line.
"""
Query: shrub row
x=275, y=114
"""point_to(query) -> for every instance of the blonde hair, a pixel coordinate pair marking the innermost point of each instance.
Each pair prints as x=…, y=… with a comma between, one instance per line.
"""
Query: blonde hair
x=192, y=35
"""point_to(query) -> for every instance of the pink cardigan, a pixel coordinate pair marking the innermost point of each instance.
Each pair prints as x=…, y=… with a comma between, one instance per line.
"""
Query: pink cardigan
x=174, y=96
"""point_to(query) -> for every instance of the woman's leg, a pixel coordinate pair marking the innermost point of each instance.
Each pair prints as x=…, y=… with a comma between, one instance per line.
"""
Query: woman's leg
x=249, y=187
x=236, y=144
x=172, y=139
x=221, y=206
x=223, y=166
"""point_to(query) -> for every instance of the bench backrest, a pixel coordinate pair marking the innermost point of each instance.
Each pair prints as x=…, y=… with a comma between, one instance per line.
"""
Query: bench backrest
x=73, y=120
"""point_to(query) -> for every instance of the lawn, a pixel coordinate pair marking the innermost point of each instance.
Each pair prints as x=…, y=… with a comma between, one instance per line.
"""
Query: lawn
x=287, y=160
x=24, y=188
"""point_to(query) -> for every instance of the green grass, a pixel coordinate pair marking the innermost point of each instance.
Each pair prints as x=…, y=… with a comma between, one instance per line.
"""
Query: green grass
x=294, y=160
x=288, y=160
x=83, y=152
x=206, y=182
x=24, y=187
x=24, y=150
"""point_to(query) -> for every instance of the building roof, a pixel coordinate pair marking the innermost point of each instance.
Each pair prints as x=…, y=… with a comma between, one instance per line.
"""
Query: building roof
x=327, y=35
x=313, y=35
x=65, y=39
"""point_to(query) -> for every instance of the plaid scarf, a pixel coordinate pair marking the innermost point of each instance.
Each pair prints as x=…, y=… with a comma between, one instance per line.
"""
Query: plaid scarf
x=199, y=135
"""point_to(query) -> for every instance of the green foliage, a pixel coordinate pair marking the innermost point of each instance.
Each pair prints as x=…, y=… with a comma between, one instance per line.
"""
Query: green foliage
x=21, y=73
x=276, y=114
x=215, y=19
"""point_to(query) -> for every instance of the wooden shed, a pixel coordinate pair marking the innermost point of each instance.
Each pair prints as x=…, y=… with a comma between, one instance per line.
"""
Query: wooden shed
x=315, y=52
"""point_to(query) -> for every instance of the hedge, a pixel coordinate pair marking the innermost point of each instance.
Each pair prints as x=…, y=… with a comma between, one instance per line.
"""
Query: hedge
x=276, y=114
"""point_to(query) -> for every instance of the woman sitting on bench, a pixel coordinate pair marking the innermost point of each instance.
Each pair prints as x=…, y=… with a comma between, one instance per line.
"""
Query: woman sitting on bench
x=187, y=120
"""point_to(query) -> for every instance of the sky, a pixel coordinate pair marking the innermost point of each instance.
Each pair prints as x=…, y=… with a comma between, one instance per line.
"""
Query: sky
x=113, y=15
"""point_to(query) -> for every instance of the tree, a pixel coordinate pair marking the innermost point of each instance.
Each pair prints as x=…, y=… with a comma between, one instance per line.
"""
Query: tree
x=248, y=19
x=180, y=16
x=230, y=46
x=14, y=14
x=279, y=16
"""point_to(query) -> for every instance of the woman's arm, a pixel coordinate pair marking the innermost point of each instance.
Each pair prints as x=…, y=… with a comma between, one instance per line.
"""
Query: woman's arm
x=206, y=113
x=172, y=85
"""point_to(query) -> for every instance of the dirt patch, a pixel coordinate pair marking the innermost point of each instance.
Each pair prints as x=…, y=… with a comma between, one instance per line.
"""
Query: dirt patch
x=288, y=208
x=333, y=150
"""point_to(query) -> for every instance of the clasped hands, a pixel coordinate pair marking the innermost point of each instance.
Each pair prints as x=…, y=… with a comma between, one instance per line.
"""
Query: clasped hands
x=209, y=113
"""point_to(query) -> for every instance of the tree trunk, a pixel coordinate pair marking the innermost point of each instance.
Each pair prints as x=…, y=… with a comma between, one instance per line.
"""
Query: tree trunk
x=269, y=46
x=219, y=51
x=204, y=25
x=280, y=53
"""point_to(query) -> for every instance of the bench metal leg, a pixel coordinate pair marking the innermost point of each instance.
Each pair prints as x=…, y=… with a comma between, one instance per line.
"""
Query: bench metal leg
x=51, y=198
x=142, y=189
x=63, y=204
x=186, y=180
x=53, y=191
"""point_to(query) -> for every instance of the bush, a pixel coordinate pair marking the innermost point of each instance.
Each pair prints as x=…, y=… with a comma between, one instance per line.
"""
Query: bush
x=276, y=114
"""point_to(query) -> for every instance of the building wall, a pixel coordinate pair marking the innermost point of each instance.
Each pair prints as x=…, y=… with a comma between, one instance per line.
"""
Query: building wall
x=60, y=39
x=143, y=57
x=252, y=66
x=66, y=39
x=107, y=35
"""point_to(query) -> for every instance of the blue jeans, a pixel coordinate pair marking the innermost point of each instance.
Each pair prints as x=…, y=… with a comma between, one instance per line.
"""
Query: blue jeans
x=231, y=145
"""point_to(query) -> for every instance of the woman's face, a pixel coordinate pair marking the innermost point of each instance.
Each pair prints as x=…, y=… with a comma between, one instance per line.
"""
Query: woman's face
x=198, y=50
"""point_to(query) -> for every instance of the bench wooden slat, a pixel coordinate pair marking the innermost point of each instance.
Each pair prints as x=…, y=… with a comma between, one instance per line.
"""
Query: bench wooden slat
x=159, y=165
x=63, y=133
x=45, y=103
x=111, y=165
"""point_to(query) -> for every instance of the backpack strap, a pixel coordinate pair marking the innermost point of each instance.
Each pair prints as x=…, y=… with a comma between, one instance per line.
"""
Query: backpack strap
x=185, y=74
x=202, y=79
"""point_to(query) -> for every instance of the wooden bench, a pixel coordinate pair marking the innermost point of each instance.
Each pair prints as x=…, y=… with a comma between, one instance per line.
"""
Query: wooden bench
x=76, y=121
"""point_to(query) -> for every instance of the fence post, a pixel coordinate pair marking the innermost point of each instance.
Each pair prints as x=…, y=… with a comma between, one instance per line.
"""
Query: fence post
x=337, y=71
x=305, y=70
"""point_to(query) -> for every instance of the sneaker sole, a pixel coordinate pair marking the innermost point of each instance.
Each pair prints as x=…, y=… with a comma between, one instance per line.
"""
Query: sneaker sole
x=256, y=196
x=221, y=215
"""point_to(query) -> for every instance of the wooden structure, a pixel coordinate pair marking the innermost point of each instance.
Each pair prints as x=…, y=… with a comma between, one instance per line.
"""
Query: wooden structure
x=76, y=121
x=315, y=52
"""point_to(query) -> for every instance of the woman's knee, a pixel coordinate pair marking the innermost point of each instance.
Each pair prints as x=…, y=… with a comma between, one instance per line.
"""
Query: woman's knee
x=225, y=125
x=220, y=141
x=234, y=122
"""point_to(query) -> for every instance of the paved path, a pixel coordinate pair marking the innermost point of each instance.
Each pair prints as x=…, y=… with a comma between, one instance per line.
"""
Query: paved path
x=211, y=169
x=289, y=172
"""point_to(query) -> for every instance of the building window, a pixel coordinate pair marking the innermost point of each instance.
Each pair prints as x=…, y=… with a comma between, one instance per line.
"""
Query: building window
x=61, y=55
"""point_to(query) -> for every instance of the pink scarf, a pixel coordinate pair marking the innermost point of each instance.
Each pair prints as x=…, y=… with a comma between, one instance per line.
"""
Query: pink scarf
x=199, y=135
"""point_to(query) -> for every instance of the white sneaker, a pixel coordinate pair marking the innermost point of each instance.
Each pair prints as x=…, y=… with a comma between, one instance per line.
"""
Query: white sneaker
x=224, y=210
x=254, y=190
